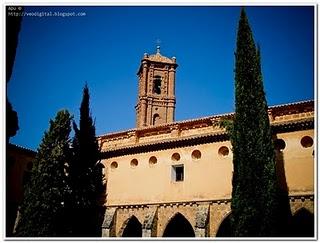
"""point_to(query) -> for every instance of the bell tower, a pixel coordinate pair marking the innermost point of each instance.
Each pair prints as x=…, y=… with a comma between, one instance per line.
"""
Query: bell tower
x=156, y=98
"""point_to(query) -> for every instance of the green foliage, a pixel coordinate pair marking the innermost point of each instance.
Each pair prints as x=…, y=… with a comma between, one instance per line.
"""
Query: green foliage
x=42, y=209
x=85, y=174
x=227, y=124
x=254, y=195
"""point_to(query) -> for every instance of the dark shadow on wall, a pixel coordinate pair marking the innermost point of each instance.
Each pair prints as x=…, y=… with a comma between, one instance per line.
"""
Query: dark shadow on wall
x=302, y=224
x=225, y=228
x=284, y=211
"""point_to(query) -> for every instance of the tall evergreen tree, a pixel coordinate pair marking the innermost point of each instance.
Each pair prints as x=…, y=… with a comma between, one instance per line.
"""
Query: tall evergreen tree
x=254, y=194
x=85, y=175
x=42, y=209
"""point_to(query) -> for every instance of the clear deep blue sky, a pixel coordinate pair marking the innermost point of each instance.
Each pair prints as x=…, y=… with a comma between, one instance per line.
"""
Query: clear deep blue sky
x=56, y=56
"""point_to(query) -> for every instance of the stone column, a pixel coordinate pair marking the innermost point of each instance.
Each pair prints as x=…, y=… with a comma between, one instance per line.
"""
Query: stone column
x=149, y=224
x=171, y=82
x=108, y=222
x=149, y=117
x=105, y=233
x=149, y=80
x=200, y=232
x=170, y=111
x=143, y=113
x=146, y=232
x=202, y=220
x=144, y=79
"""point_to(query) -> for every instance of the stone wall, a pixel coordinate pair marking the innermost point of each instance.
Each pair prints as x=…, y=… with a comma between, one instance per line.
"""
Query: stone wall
x=204, y=217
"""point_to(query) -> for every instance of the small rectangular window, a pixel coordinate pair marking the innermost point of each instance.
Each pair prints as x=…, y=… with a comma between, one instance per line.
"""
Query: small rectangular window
x=177, y=173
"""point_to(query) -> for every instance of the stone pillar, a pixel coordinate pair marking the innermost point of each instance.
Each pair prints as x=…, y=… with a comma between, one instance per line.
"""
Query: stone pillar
x=146, y=232
x=108, y=222
x=149, y=224
x=144, y=79
x=105, y=233
x=202, y=220
x=170, y=111
x=171, y=82
x=143, y=113
x=199, y=232
x=149, y=80
x=149, y=117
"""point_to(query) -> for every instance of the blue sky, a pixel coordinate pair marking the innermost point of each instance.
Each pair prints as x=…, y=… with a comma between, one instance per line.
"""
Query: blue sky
x=57, y=55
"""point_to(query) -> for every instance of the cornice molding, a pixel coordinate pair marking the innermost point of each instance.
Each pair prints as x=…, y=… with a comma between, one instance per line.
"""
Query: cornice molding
x=197, y=140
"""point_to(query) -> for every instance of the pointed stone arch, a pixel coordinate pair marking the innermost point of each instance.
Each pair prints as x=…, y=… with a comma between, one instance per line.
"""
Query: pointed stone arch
x=178, y=226
x=224, y=229
x=131, y=228
x=302, y=223
x=296, y=206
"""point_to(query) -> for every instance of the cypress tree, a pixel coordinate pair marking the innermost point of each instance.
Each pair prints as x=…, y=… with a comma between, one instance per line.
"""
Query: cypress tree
x=85, y=175
x=42, y=209
x=254, y=194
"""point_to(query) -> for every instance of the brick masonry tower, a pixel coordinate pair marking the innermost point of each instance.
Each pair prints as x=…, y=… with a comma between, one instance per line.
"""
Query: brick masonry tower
x=156, y=98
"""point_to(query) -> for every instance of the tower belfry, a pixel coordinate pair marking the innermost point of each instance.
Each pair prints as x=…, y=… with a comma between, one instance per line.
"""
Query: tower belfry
x=156, y=98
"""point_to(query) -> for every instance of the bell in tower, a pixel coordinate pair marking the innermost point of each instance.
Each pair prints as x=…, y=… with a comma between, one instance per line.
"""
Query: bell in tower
x=156, y=98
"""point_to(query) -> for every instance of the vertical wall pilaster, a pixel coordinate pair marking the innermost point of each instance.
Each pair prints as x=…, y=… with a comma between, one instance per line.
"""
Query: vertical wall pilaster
x=171, y=82
x=202, y=219
x=149, y=226
x=108, y=225
x=143, y=113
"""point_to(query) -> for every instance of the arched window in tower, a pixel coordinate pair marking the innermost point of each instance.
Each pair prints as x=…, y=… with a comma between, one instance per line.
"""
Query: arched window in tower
x=156, y=119
x=157, y=85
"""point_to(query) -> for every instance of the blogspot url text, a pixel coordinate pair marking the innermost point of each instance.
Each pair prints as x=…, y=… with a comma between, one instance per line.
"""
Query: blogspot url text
x=46, y=14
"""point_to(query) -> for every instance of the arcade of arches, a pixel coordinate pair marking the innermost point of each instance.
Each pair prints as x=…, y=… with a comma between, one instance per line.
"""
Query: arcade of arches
x=211, y=219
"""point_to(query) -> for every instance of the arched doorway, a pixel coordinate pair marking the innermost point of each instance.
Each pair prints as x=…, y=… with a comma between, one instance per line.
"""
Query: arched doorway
x=179, y=226
x=303, y=223
x=224, y=228
x=156, y=119
x=133, y=228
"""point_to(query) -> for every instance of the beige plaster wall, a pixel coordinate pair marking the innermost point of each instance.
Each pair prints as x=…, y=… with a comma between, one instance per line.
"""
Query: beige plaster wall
x=298, y=163
x=208, y=178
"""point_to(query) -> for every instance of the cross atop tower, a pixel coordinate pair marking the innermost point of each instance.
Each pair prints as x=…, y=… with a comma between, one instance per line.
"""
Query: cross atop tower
x=158, y=49
x=156, y=99
x=158, y=42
